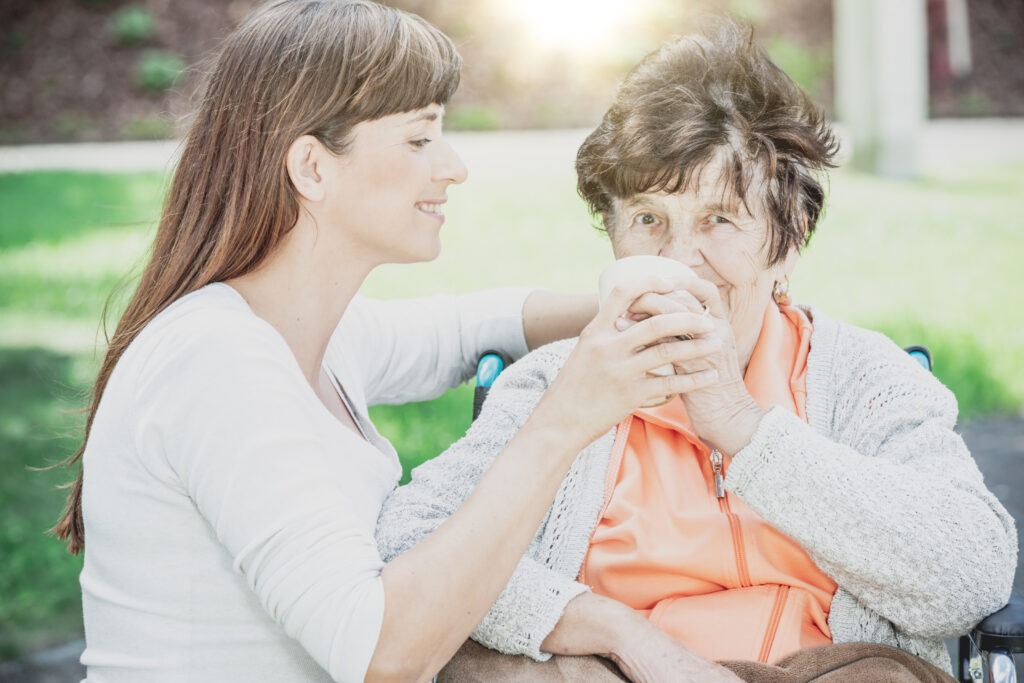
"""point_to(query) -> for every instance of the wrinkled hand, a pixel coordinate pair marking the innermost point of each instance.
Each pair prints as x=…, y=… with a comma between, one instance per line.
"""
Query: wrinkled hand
x=723, y=413
x=653, y=656
x=607, y=375
x=593, y=624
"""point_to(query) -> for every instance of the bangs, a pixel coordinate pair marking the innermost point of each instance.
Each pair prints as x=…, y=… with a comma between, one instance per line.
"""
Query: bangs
x=714, y=97
x=418, y=66
x=673, y=172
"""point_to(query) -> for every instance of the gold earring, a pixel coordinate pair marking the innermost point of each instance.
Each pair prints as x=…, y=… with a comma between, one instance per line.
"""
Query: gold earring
x=780, y=292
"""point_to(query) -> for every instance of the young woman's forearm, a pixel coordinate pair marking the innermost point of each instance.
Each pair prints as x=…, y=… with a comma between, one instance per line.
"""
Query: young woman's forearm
x=550, y=316
x=439, y=590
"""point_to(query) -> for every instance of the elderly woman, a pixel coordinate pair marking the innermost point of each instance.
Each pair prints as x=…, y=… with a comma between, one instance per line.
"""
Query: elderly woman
x=816, y=494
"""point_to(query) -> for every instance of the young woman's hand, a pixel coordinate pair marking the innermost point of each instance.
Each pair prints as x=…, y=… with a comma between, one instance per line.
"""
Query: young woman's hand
x=607, y=376
x=723, y=413
x=593, y=624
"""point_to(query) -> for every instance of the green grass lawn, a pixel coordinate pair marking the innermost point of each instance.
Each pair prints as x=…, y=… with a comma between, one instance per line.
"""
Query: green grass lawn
x=933, y=262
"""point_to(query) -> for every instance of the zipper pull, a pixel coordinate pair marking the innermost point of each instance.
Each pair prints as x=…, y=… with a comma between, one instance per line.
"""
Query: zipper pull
x=716, y=467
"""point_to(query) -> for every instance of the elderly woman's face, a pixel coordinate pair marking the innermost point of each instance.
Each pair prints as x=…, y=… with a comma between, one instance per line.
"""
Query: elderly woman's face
x=713, y=233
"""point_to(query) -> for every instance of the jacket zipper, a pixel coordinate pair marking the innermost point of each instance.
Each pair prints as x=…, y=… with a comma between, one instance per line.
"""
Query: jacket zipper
x=735, y=528
x=773, y=624
x=716, y=467
x=736, y=531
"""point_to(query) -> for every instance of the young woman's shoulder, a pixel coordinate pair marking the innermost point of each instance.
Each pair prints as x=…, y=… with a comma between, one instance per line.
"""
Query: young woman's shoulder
x=208, y=334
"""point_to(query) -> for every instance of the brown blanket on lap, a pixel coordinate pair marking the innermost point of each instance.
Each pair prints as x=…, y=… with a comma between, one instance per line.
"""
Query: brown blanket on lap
x=844, y=663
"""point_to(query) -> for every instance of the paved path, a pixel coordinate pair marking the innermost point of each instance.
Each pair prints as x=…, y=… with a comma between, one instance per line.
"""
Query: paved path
x=945, y=144
x=998, y=446
x=101, y=156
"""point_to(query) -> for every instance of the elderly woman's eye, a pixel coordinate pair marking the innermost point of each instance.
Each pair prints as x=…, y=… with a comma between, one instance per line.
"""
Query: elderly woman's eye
x=721, y=220
x=645, y=219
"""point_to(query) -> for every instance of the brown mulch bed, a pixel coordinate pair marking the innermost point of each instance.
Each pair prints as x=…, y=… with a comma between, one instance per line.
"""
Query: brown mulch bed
x=65, y=77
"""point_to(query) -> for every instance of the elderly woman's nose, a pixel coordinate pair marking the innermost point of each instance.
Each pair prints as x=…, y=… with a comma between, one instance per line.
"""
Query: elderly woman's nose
x=683, y=248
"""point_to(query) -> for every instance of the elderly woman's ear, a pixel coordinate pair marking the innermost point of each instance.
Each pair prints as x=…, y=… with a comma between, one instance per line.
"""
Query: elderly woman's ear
x=783, y=271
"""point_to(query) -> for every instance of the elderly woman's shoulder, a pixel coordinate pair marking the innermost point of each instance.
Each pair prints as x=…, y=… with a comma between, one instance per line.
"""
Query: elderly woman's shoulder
x=542, y=364
x=841, y=339
x=845, y=356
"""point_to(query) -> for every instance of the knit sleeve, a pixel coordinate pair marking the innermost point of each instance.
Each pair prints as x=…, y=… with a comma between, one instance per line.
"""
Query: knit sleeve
x=884, y=495
x=416, y=349
x=527, y=610
x=535, y=597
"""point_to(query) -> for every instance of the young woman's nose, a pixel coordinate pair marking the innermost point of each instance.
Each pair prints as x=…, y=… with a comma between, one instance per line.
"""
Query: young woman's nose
x=448, y=165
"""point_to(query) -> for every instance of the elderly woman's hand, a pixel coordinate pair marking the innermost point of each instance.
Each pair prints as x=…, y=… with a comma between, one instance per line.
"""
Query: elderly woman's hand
x=593, y=624
x=722, y=413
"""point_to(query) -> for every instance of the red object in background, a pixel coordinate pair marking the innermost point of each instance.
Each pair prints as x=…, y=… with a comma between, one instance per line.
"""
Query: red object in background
x=940, y=74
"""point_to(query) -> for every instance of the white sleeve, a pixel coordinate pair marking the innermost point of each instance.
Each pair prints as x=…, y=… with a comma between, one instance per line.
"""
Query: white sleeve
x=293, y=502
x=416, y=349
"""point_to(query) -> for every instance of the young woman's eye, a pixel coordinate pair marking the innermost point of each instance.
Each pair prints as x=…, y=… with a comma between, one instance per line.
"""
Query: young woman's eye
x=420, y=143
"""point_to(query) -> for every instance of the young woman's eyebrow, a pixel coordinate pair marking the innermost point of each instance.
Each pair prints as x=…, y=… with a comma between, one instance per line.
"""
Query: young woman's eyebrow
x=426, y=115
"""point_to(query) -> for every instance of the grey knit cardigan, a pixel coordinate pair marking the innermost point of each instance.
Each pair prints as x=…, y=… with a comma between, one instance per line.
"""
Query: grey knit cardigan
x=877, y=487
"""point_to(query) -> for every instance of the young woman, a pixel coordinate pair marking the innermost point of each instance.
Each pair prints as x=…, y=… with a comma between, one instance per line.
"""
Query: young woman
x=231, y=479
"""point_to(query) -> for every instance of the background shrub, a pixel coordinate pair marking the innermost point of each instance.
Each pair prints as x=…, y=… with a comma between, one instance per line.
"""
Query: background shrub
x=158, y=70
x=132, y=25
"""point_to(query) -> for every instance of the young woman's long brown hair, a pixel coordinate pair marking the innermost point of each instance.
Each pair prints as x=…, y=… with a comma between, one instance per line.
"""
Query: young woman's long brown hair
x=297, y=67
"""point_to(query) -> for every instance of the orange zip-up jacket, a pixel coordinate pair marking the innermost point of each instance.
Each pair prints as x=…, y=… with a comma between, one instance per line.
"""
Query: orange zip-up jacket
x=708, y=570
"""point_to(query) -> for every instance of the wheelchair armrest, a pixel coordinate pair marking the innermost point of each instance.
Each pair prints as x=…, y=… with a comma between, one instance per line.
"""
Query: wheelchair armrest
x=1003, y=629
x=490, y=365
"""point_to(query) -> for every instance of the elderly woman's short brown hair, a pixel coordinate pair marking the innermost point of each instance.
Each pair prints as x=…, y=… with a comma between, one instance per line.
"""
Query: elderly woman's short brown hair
x=701, y=96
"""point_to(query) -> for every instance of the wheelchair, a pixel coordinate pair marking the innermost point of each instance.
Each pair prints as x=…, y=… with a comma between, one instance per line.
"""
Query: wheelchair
x=986, y=654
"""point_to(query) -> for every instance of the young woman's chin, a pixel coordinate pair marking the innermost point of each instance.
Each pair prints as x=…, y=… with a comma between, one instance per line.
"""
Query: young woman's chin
x=424, y=252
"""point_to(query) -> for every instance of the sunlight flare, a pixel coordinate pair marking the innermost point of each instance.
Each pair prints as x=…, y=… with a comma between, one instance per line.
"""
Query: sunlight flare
x=574, y=27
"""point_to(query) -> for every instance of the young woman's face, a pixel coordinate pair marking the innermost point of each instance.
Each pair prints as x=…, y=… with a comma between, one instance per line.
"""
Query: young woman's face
x=389, y=187
x=714, y=234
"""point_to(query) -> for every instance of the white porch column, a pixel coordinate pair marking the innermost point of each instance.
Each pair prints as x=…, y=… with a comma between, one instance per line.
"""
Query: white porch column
x=881, y=67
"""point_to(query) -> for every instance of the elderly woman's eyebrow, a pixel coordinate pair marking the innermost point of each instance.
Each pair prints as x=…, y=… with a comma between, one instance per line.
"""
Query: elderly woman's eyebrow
x=733, y=206
x=638, y=200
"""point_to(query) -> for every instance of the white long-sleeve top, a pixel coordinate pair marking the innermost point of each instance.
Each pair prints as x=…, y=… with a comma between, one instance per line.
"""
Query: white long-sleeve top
x=229, y=516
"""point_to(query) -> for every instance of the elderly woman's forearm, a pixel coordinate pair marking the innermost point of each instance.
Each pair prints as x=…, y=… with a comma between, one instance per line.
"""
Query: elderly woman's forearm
x=915, y=537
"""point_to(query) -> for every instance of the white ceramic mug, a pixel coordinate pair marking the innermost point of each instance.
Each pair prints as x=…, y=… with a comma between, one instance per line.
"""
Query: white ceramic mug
x=632, y=268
